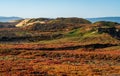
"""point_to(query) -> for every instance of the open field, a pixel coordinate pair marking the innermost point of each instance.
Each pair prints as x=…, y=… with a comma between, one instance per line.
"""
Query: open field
x=34, y=60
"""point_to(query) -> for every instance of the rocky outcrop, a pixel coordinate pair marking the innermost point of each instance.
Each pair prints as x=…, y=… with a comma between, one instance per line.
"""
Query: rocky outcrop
x=114, y=32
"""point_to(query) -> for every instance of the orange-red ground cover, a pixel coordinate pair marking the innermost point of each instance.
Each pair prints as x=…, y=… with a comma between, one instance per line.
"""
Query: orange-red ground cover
x=79, y=62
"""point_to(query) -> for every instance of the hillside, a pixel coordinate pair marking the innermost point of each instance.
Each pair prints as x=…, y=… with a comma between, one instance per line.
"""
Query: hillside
x=59, y=24
x=64, y=30
x=7, y=19
x=113, y=19
x=60, y=47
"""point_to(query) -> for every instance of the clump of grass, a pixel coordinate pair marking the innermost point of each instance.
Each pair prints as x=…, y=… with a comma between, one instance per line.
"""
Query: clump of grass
x=9, y=52
x=41, y=54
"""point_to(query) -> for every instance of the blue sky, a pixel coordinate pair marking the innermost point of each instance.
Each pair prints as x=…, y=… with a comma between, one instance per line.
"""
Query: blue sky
x=60, y=8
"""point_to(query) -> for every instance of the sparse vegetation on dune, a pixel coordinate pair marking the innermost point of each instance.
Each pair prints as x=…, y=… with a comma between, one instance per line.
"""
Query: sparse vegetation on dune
x=60, y=47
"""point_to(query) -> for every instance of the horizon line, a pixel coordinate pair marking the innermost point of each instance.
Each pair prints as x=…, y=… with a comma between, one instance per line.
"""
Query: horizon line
x=62, y=17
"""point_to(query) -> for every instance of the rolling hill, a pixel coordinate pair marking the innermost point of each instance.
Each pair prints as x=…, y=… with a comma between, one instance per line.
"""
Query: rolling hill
x=64, y=30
